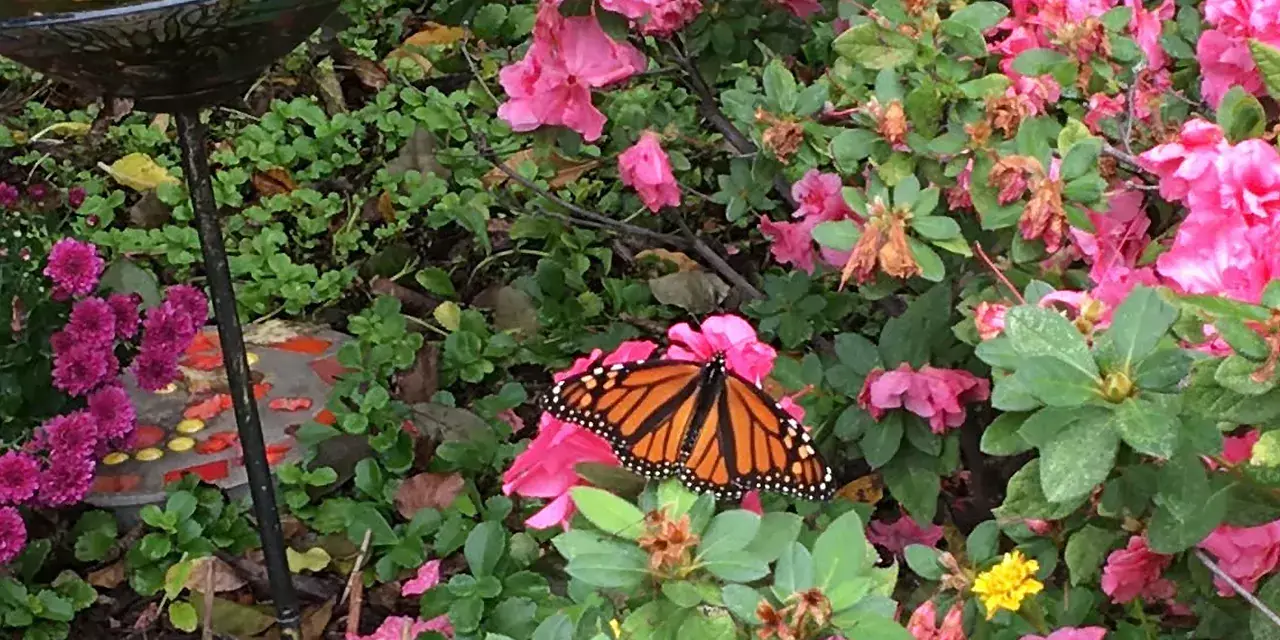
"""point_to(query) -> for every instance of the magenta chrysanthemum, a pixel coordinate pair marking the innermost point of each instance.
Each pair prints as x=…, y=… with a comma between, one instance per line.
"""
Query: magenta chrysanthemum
x=190, y=302
x=74, y=267
x=113, y=412
x=18, y=477
x=79, y=368
x=154, y=369
x=92, y=321
x=125, y=309
x=75, y=434
x=13, y=534
x=66, y=481
x=166, y=329
x=8, y=195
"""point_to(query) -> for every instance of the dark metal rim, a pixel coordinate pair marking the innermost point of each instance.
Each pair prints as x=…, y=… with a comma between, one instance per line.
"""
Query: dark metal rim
x=67, y=17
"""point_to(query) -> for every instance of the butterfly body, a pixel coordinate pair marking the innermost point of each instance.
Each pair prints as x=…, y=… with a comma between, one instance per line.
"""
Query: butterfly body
x=701, y=422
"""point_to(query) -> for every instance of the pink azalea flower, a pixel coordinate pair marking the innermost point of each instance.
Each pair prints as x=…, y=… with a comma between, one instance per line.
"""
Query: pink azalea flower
x=1072, y=633
x=1250, y=179
x=790, y=242
x=730, y=335
x=989, y=317
x=1102, y=107
x=1147, y=27
x=630, y=8
x=670, y=16
x=1246, y=554
x=958, y=197
x=923, y=624
x=895, y=537
x=931, y=393
x=552, y=84
x=819, y=194
x=546, y=468
x=801, y=8
x=1239, y=449
x=428, y=576
x=1135, y=572
x=1188, y=163
x=646, y=168
x=1225, y=62
x=1222, y=255
x=1038, y=527
x=751, y=502
x=402, y=627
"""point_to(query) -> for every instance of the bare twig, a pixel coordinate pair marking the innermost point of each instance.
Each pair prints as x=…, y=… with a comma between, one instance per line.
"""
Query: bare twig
x=1128, y=159
x=475, y=72
x=1130, y=107
x=711, y=111
x=1235, y=586
x=353, y=608
x=207, y=632
x=355, y=570
x=999, y=274
x=717, y=262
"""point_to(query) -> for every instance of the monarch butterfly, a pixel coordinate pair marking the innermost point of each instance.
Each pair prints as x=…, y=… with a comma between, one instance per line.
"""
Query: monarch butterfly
x=701, y=422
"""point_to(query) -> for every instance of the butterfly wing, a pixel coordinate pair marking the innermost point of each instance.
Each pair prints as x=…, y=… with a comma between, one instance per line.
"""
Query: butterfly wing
x=749, y=442
x=643, y=409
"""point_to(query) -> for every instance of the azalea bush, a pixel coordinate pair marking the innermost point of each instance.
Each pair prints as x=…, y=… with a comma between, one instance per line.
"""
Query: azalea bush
x=1011, y=265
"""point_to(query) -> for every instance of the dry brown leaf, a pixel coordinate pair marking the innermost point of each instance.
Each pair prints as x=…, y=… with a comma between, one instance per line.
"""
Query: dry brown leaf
x=697, y=292
x=419, y=154
x=224, y=577
x=330, y=88
x=274, y=181
x=371, y=73
x=512, y=308
x=316, y=619
x=427, y=491
x=386, y=207
x=868, y=489
x=566, y=170
x=420, y=383
x=433, y=33
x=149, y=212
x=161, y=122
x=108, y=577
x=680, y=260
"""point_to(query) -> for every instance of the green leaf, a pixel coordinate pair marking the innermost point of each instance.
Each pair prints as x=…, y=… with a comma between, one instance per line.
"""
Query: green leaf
x=1241, y=115
x=611, y=570
x=874, y=47
x=966, y=40
x=1139, y=323
x=155, y=546
x=1187, y=507
x=729, y=531
x=983, y=542
x=1162, y=370
x=1045, y=425
x=1086, y=549
x=735, y=566
x=123, y=276
x=840, y=235
x=1056, y=382
x=1079, y=459
x=1243, y=340
x=840, y=551
x=608, y=512
x=780, y=86
x=1001, y=437
x=794, y=571
x=935, y=227
x=1219, y=307
x=871, y=625
x=484, y=548
x=994, y=84
x=880, y=442
x=1239, y=374
x=931, y=267
x=1040, y=332
x=1036, y=62
x=924, y=561
x=850, y=147
x=915, y=488
x=1271, y=295
x=741, y=601
x=682, y=594
x=778, y=529
x=1149, y=423
x=436, y=280
x=1267, y=58
x=981, y=15
x=1081, y=159
x=1261, y=627
x=1024, y=497
x=183, y=616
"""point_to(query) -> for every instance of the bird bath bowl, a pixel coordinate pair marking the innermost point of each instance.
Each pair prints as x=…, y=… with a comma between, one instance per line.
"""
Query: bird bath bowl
x=164, y=54
x=178, y=56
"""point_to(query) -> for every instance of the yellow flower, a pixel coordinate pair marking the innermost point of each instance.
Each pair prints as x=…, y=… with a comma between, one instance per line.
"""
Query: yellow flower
x=1005, y=585
x=616, y=628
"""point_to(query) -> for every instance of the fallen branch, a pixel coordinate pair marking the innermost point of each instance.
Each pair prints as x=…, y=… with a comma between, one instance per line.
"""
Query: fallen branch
x=718, y=263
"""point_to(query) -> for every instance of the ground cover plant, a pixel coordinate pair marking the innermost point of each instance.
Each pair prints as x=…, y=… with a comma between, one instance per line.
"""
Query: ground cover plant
x=1010, y=267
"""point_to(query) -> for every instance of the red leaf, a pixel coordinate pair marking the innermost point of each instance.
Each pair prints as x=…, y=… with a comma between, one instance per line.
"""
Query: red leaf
x=304, y=344
x=290, y=404
x=147, y=436
x=328, y=369
x=208, y=408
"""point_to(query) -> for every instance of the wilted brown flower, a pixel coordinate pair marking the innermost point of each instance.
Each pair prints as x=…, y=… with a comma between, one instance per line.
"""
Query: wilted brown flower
x=1009, y=177
x=891, y=120
x=1007, y=112
x=783, y=136
x=895, y=256
x=1045, y=217
x=774, y=622
x=883, y=243
x=812, y=603
x=979, y=133
x=862, y=260
x=668, y=542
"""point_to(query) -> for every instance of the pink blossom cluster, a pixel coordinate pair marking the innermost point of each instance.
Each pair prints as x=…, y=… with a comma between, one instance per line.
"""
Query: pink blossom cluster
x=400, y=627
x=1247, y=554
x=569, y=56
x=819, y=199
x=56, y=467
x=923, y=624
x=1223, y=51
x=1226, y=244
x=1135, y=571
x=895, y=537
x=656, y=17
x=646, y=168
x=937, y=395
x=546, y=469
x=1072, y=633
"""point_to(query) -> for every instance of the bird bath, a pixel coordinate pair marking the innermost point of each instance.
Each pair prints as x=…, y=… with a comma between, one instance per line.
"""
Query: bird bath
x=178, y=56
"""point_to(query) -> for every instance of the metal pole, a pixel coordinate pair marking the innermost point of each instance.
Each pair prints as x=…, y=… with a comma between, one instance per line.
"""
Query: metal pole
x=191, y=135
